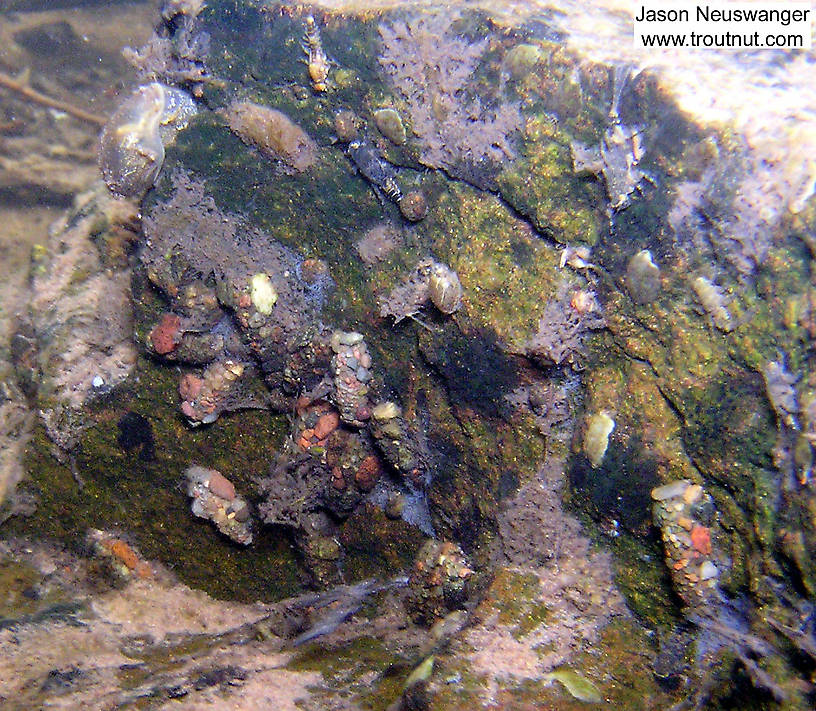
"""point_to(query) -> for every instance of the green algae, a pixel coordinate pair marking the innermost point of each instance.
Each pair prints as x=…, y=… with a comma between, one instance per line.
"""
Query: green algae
x=347, y=668
x=503, y=266
x=375, y=546
x=516, y=597
x=28, y=595
x=146, y=496
x=577, y=685
x=543, y=187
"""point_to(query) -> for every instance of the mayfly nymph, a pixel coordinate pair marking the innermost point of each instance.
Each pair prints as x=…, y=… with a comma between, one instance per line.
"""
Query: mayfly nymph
x=317, y=62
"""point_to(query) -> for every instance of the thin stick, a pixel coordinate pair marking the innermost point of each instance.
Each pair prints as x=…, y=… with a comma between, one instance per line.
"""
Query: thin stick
x=38, y=98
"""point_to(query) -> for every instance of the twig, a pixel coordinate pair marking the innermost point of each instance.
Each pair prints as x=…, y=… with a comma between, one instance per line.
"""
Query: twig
x=38, y=98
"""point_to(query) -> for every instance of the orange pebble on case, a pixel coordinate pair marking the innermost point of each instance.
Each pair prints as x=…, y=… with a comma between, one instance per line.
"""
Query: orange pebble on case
x=701, y=539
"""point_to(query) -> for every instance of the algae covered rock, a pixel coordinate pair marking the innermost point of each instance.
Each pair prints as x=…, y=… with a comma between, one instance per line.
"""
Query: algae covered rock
x=438, y=319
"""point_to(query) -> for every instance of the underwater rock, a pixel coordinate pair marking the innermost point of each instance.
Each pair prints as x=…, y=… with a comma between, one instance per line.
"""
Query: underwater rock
x=273, y=133
x=596, y=438
x=643, y=278
x=390, y=125
x=214, y=499
x=439, y=582
x=687, y=519
x=351, y=369
x=132, y=143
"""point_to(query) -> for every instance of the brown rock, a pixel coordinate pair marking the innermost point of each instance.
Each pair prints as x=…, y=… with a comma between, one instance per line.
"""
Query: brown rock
x=166, y=335
x=190, y=386
x=368, y=473
x=326, y=424
x=221, y=486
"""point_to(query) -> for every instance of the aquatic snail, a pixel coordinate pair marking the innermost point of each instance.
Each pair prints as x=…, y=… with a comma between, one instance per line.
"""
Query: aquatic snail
x=521, y=60
x=132, y=143
x=445, y=288
x=390, y=125
x=596, y=437
x=643, y=277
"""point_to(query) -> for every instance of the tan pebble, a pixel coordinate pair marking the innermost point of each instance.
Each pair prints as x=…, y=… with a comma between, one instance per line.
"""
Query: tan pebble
x=326, y=424
x=685, y=522
x=692, y=493
x=304, y=443
x=221, y=486
x=691, y=577
x=307, y=434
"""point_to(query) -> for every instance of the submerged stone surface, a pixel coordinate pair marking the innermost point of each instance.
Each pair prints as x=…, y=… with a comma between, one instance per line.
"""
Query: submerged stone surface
x=383, y=419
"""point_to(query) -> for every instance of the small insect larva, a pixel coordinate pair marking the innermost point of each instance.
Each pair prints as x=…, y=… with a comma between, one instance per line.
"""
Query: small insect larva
x=317, y=62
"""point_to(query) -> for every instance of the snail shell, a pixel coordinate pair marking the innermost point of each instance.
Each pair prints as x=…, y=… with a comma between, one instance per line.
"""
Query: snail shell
x=131, y=147
x=390, y=125
x=445, y=288
x=643, y=277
